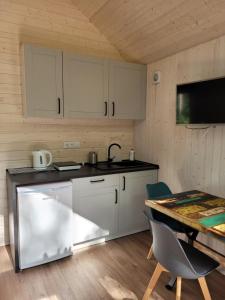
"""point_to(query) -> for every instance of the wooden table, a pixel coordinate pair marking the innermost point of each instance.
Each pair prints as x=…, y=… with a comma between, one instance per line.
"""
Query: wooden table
x=199, y=210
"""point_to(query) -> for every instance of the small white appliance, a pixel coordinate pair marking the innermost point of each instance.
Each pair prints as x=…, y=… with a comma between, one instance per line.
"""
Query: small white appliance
x=66, y=166
x=45, y=223
x=40, y=160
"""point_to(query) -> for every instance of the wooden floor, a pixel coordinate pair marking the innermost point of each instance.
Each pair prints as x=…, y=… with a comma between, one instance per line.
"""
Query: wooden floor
x=115, y=270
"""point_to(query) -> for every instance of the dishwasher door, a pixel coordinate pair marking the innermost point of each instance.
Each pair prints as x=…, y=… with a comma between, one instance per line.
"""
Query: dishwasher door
x=45, y=223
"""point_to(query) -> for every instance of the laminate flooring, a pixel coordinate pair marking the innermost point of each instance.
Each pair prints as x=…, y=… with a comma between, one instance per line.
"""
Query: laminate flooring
x=117, y=269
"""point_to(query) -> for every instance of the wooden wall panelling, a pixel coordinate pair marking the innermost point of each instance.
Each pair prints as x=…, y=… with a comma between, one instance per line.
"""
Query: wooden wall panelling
x=188, y=159
x=56, y=24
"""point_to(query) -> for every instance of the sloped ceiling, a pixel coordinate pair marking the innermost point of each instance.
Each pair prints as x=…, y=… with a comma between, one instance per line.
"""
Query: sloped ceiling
x=148, y=30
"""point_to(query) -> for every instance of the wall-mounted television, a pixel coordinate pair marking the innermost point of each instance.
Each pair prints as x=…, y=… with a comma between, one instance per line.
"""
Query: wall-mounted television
x=201, y=102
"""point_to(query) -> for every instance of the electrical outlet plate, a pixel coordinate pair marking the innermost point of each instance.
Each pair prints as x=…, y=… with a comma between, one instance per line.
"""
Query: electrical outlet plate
x=72, y=145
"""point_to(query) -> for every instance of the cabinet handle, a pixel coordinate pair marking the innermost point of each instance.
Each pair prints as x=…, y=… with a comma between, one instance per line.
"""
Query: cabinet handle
x=116, y=196
x=59, y=106
x=113, y=108
x=124, y=183
x=96, y=181
x=106, y=108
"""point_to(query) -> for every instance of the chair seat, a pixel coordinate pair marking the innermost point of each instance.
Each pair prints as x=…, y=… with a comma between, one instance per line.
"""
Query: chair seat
x=202, y=263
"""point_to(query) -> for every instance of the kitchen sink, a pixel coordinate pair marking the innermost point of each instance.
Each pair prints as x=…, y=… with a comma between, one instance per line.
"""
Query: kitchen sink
x=107, y=166
x=129, y=163
x=124, y=164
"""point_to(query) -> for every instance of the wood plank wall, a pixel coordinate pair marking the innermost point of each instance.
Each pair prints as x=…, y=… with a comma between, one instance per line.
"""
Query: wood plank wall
x=51, y=23
x=188, y=159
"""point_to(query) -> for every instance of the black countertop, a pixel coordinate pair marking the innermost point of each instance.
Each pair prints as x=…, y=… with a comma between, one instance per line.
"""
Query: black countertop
x=85, y=171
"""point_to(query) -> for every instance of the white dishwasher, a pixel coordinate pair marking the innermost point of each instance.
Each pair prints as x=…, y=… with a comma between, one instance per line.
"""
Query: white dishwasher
x=45, y=223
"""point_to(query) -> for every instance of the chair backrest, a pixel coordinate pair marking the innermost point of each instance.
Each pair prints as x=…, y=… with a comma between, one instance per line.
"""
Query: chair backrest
x=169, y=252
x=157, y=190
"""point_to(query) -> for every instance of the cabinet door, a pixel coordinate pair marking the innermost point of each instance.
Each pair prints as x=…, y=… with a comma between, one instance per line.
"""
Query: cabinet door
x=127, y=90
x=95, y=214
x=43, y=82
x=85, y=86
x=132, y=200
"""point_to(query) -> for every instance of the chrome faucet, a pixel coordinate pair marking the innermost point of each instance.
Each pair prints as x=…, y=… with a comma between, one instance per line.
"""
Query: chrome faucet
x=109, y=151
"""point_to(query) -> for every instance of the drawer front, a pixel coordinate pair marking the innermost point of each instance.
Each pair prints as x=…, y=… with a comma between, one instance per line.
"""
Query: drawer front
x=152, y=174
x=88, y=184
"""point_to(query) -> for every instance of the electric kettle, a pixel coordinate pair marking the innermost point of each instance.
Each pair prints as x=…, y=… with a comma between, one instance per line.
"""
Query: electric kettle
x=40, y=159
x=93, y=158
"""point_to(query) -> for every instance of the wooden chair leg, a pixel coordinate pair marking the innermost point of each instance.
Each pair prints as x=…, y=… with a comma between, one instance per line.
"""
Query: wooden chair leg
x=178, y=291
x=150, y=253
x=158, y=270
x=204, y=288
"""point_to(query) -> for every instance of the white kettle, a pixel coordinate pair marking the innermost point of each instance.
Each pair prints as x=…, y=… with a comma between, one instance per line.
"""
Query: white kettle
x=40, y=159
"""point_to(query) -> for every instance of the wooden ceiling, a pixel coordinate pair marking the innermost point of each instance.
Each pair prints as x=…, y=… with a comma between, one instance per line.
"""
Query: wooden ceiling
x=148, y=30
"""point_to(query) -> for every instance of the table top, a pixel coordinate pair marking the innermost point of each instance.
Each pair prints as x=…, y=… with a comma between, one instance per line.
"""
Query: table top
x=197, y=209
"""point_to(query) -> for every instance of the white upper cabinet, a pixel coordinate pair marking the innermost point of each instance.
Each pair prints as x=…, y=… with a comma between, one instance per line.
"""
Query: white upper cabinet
x=127, y=90
x=67, y=85
x=85, y=86
x=43, y=92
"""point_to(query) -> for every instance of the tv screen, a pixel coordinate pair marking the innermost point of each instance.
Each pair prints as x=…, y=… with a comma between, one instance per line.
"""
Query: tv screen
x=201, y=102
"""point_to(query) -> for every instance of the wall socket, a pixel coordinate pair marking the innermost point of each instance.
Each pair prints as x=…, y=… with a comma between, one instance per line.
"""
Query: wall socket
x=72, y=145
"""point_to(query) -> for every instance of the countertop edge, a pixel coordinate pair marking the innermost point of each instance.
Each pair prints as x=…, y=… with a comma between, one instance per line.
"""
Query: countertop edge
x=60, y=176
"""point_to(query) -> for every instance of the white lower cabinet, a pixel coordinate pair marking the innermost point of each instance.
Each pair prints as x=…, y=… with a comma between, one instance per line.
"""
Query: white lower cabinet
x=95, y=205
x=131, y=205
x=110, y=206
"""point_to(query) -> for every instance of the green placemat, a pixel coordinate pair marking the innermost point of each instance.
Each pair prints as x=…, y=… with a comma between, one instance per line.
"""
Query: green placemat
x=188, y=200
x=213, y=220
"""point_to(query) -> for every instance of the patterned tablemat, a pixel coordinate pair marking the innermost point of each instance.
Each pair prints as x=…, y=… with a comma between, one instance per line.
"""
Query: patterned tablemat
x=204, y=208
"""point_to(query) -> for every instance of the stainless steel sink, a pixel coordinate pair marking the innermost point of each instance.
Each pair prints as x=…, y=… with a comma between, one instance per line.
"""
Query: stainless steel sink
x=124, y=164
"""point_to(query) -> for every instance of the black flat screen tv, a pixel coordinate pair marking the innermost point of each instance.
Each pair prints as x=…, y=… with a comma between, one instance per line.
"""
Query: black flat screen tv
x=201, y=102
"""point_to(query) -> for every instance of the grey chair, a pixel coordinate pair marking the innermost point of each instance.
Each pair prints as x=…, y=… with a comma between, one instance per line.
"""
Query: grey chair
x=179, y=258
x=156, y=191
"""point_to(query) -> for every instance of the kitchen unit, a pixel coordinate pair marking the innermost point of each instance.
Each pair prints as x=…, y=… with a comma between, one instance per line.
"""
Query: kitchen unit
x=106, y=203
x=58, y=84
x=110, y=206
